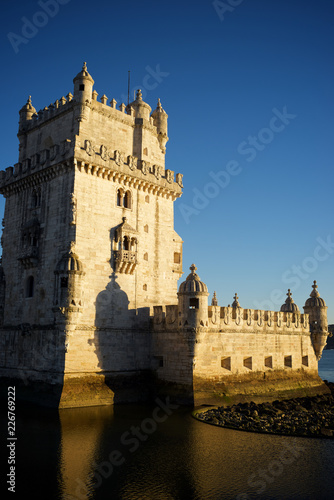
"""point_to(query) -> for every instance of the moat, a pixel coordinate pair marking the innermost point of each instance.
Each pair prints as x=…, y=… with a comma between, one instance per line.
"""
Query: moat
x=149, y=452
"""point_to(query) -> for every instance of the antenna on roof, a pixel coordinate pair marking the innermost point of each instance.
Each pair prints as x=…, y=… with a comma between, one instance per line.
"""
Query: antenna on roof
x=128, y=88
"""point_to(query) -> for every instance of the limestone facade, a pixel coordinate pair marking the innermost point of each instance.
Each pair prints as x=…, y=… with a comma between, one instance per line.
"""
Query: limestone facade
x=88, y=284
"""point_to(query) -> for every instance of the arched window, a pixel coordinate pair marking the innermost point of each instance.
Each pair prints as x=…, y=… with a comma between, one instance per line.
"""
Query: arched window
x=127, y=200
x=126, y=243
x=36, y=198
x=30, y=287
x=119, y=198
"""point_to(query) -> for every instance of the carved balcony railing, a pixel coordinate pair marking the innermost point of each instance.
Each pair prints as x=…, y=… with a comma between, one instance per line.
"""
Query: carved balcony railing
x=29, y=256
x=125, y=261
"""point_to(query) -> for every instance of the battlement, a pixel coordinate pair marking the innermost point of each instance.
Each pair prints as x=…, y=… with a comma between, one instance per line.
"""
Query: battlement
x=126, y=145
x=226, y=319
x=67, y=103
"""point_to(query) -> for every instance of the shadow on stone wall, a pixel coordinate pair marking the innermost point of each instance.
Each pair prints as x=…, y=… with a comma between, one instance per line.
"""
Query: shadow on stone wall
x=122, y=344
x=33, y=360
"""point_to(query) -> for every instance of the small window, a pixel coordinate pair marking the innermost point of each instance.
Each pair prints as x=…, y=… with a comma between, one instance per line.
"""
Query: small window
x=193, y=303
x=147, y=199
x=159, y=361
x=63, y=282
x=119, y=198
x=268, y=361
x=248, y=363
x=146, y=256
x=177, y=258
x=146, y=228
x=127, y=200
x=226, y=363
x=305, y=360
x=126, y=244
x=145, y=151
x=145, y=287
x=30, y=287
x=288, y=361
x=81, y=86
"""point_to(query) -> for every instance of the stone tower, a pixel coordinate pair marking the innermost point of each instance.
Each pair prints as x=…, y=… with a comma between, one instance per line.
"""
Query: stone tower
x=89, y=242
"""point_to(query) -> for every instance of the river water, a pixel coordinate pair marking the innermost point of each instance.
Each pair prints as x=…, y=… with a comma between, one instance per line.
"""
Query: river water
x=159, y=452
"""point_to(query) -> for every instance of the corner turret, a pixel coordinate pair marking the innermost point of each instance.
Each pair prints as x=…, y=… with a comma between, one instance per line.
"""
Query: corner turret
x=160, y=116
x=193, y=301
x=316, y=308
x=26, y=113
x=83, y=85
x=142, y=109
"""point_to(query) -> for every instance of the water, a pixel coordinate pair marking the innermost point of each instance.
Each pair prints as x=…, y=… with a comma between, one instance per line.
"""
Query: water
x=154, y=452
x=326, y=365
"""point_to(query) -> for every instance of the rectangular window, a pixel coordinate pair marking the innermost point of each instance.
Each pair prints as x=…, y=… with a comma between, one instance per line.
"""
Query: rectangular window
x=226, y=363
x=305, y=360
x=63, y=282
x=288, y=361
x=177, y=258
x=193, y=303
x=268, y=361
x=159, y=361
x=248, y=363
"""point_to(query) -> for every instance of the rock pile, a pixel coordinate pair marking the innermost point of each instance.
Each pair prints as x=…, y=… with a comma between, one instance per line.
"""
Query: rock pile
x=297, y=417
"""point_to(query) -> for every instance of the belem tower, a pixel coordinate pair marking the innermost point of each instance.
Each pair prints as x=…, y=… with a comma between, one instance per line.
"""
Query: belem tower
x=90, y=309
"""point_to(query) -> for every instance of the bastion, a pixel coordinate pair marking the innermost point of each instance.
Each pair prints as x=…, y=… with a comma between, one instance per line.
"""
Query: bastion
x=90, y=311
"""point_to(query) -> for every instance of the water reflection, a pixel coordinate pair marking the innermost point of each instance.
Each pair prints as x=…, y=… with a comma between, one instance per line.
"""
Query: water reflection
x=81, y=433
x=66, y=456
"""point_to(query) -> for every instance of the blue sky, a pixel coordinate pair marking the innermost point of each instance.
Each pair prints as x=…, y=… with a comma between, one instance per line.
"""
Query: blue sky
x=248, y=87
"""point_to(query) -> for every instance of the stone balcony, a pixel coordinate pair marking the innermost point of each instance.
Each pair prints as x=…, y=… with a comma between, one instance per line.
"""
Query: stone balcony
x=29, y=256
x=125, y=261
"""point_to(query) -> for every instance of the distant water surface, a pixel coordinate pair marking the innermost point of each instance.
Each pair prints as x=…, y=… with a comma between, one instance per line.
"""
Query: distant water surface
x=326, y=365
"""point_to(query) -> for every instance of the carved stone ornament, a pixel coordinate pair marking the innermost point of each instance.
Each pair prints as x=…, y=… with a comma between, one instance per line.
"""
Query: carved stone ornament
x=119, y=159
x=54, y=151
x=169, y=176
x=132, y=162
x=88, y=147
x=157, y=171
x=44, y=156
x=104, y=152
x=179, y=178
x=144, y=167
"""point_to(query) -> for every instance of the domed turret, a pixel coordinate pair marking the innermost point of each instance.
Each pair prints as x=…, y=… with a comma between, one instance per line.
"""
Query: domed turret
x=83, y=85
x=160, y=116
x=316, y=307
x=26, y=112
x=193, y=301
x=289, y=305
x=235, y=303
x=142, y=109
x=68, y=273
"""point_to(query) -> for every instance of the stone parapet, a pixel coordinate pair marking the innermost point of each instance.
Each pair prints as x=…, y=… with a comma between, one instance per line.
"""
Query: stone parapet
x=224, y=319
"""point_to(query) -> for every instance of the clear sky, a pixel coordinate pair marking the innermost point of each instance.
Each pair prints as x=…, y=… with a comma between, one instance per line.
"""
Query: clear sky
x=248, y=87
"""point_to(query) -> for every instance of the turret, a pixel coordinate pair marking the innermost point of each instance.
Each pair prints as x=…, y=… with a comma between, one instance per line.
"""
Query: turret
x=26, y=113
x=160, y=116
x=316, y=308
x=193, y=301
x=289, y=305
x=83, y=85
x=142, y=109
